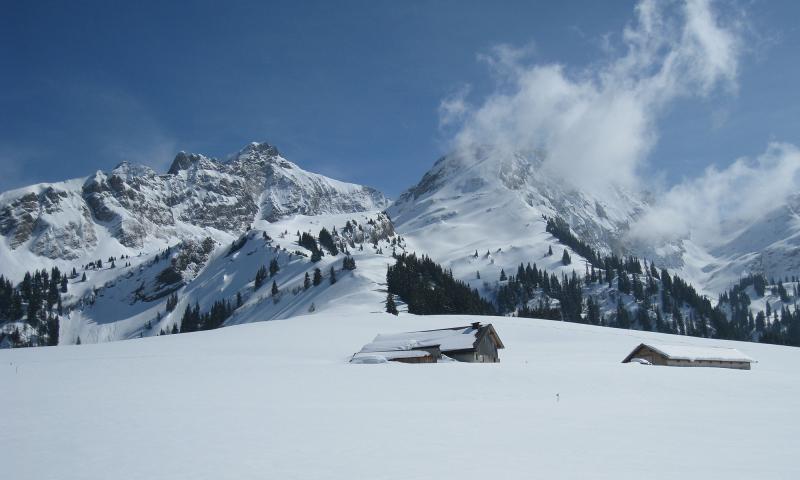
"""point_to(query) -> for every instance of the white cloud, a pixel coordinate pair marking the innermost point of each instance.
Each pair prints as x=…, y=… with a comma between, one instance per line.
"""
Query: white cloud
x=721, y=201
x=597, y=126
x=454, y=107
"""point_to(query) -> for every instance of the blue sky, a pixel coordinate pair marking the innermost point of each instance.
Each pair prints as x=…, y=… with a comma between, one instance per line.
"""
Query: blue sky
x=349, y=89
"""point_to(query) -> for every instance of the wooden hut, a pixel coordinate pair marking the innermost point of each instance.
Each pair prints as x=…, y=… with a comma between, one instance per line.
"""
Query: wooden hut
x=689, y=356
x=472, y=343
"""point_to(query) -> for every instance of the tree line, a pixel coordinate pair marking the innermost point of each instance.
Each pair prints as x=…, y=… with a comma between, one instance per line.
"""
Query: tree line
x=428, y=289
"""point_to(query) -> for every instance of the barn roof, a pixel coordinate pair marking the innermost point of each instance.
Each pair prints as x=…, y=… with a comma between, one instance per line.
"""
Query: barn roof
x=693, y=353
x=447, y=339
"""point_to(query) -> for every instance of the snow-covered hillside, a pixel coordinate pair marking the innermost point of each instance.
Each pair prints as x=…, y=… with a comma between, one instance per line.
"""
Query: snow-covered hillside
x=133, y=209
x=279, y=400
x=771, y=246
x=129, y=302
x=486, y=199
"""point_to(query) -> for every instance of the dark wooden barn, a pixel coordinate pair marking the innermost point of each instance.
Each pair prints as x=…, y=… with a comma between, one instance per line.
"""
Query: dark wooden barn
x=689, y=356
x=472, y=343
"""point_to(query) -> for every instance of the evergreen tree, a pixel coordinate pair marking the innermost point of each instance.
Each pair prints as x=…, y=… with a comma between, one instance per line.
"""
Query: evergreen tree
x=332, y=275
x=503, y=276
x=317, y=277
x=623, y=318
x=643, y=318
x=261, y=276
x=273, y=267
x=429, y=289
x=274, y=288
x=306, y=282
x=83, y=278
x=172, y=302
x=565, y=259
x=391, y=307
x=326, y=240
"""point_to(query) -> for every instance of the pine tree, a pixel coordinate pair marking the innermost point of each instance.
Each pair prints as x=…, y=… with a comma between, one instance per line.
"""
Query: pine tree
x=78, y=340
x=332, y=275
x=238, y=299
x=503, y=276
x=83, y=278
x=261, y=275
x=274, y=288
x=565, y=259
x=317, y=277
x=391, y=307
x=306, y=282
x=326, y=240
x=549, y=250
x=623, y=318
x=273, y=267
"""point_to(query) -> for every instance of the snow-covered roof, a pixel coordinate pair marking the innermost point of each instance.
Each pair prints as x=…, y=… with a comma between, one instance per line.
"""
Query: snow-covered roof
x=447, y=339
x=695, y=353
x=461, y=338
x=382, y=357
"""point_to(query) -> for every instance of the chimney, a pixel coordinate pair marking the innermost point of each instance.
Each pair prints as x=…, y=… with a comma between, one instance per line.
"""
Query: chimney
x=476, y=325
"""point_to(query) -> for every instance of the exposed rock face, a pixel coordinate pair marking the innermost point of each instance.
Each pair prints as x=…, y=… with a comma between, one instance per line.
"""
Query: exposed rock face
x=136, y=205
x=39, y=217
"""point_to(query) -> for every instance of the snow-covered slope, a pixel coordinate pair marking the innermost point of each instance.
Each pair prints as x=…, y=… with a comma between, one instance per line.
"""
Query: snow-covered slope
x=486, y=199
x=132, y=209
x=279, y=400
x=129, y=302
x=771, y=246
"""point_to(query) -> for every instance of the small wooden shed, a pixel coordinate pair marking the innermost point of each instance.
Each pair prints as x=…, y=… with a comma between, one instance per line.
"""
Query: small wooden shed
x=472, y=343
x=689, y=356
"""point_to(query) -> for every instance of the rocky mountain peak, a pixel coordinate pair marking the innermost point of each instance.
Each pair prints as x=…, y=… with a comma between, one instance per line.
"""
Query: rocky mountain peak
x=184, y=160
x=200, y=196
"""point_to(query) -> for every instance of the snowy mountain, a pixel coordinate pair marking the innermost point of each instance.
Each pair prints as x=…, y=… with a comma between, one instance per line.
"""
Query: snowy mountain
x=495, y=202
x=489, y=199
x=769, y=245
x=132, y=209
x=142, y=253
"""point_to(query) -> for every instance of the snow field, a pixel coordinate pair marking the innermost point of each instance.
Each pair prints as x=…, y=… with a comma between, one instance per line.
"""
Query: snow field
x=278, y=400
